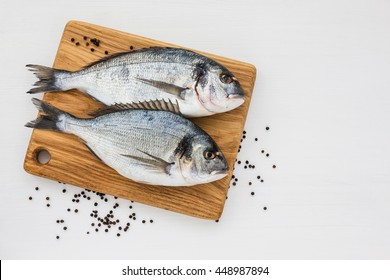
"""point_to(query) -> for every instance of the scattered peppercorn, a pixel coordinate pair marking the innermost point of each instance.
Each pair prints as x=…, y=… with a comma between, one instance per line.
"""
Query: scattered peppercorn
x=95, y=41
x=105, y=222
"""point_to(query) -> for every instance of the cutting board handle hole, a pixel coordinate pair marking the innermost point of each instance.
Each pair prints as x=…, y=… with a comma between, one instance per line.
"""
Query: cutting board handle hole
x=42, y=156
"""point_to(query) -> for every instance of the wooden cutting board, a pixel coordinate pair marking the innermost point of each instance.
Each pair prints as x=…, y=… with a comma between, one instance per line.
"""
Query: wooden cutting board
x=71, y=162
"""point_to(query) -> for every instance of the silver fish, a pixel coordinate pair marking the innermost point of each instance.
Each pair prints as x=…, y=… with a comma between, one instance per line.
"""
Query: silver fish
x=149, y=146
x=199, y=84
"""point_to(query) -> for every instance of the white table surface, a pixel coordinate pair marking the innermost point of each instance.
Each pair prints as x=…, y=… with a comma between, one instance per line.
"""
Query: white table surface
x=323, y=87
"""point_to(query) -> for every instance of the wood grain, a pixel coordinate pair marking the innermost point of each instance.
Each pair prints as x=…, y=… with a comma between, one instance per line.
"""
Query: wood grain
x=72, y=163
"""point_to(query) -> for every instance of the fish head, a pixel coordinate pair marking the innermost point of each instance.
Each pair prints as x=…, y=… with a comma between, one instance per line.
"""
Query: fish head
x=219, y=90
x=202, y=161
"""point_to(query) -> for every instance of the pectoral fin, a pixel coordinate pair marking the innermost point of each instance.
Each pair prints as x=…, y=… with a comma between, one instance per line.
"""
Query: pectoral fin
x=154, y=163
x=175, y=90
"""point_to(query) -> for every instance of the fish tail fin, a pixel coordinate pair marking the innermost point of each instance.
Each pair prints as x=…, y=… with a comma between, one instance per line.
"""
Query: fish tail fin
x=47, y=78
x=49, y=121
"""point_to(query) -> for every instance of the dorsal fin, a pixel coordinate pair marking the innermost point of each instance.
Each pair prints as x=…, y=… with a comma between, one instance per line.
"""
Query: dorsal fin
x=160, y=105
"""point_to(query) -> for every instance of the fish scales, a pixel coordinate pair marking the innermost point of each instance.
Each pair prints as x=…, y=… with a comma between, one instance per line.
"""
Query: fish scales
x=200, y=85
x=150, y=146
x=143, y=128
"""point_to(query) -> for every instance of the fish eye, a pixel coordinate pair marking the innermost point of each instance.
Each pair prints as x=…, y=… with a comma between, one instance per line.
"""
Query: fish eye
x=226, y=78
x=209, y=155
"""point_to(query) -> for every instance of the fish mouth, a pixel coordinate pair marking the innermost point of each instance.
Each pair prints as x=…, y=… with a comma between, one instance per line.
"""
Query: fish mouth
x=220, y=172
x=236, y=96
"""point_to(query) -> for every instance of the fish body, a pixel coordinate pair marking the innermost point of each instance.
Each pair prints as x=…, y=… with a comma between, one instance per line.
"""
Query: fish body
x=200, y=85
x=147, y=146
